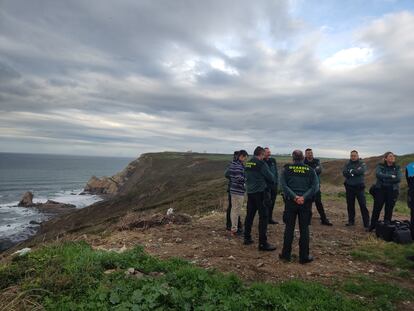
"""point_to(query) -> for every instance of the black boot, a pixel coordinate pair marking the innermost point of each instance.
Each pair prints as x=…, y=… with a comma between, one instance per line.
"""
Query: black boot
x=306, y=260
x=284, y=258
x=267, y=247
x=326, y=222
x=350, y=224
x=248, y=241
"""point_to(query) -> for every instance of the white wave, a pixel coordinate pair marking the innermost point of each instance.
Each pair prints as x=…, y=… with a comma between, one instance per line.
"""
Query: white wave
x=15, y=221
x=80, y=201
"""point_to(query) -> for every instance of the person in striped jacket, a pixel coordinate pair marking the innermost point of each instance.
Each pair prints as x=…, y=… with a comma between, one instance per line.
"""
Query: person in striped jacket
x=235, y=174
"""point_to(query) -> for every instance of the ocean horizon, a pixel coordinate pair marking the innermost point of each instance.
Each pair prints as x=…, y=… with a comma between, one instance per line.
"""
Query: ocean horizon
x=50, y=177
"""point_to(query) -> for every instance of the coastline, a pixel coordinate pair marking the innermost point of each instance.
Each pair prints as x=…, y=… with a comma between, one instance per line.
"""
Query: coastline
x=25, y=222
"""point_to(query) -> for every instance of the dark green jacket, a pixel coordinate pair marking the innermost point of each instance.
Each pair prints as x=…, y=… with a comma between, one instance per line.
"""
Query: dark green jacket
x=298, y=179
x=316, y=165
x=384, y=175
x=258, y=175
x=354, y=172
x=271, y=162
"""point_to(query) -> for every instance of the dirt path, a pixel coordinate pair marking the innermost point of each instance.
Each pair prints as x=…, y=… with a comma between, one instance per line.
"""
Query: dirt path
x=206, y=243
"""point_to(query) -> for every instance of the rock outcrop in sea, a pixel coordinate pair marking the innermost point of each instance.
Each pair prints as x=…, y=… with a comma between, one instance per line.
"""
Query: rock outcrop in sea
x=50, y=206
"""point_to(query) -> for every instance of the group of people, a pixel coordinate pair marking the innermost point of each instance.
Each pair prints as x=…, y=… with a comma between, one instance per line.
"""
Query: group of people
x=300, y=187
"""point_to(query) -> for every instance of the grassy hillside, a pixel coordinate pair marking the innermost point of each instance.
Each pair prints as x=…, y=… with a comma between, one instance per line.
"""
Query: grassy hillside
x=72, y=276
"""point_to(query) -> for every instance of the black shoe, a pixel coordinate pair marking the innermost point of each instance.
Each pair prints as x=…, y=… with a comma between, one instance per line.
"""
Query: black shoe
x=284, y=258
x=370, y=229
x=326, y=222
x=273, y=222
x=239, y=232
x=248, y=241
x=350, y=224
x=306, y=260
x=267, y=247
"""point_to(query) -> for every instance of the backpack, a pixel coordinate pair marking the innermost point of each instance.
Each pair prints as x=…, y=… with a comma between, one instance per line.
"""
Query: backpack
x=396, y=231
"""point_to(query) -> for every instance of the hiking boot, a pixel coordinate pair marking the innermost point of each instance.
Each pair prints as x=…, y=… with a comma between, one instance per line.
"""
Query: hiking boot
x=306, y=260
x=284, y=258
x=248, y=241
x=273, y=222
x=267, y=247
x=350, y=224
x=326, y=222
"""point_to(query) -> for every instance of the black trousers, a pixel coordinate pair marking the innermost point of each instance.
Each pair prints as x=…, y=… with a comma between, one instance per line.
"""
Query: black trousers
x=319, y=206
x=356, y=192
x=273, y=195
x=228, y=215
x=255, y=203
x=383, y=196
x=410, y=201
x=303, y=213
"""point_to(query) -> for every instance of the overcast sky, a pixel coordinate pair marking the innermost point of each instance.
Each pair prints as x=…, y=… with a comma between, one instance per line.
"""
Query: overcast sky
x=121, y=78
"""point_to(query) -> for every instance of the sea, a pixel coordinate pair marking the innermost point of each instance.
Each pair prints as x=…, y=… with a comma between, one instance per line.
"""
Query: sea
x=56, y=177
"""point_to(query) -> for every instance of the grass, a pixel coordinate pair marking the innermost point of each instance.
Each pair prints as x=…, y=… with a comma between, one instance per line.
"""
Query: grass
x=387, y=253
x=71, y=276
x=383, y=296
x=400, y=206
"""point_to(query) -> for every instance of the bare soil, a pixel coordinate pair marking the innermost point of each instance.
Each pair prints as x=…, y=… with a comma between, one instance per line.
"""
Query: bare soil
x=207, y=243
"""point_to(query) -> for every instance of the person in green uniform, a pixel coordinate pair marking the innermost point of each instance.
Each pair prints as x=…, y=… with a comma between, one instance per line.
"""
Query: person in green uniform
x=387, y=188
x=317, y=166
x=271, y=188
x=299, y=184
x=257, y=175
x=354, y=171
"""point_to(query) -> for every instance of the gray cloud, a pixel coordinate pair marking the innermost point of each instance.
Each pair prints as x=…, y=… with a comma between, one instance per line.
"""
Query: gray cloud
x=97, y=77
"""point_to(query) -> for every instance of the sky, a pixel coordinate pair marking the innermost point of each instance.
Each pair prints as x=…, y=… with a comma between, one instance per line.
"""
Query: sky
x=120, y=78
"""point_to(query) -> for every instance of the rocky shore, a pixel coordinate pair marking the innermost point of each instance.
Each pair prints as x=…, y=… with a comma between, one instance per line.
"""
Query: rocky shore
x=50, y=207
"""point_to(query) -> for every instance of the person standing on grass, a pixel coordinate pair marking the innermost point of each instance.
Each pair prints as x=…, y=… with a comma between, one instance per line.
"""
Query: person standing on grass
x=237, y=189
x=409, y=175
x=228, y=211
x=317, y=166
x=257, y=177
x=354, y=172
x=299, y=184
x=272, y=188
x=386, y=188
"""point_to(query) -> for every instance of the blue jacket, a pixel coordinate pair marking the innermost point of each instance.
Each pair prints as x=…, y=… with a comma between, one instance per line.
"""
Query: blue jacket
x=409, y=175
